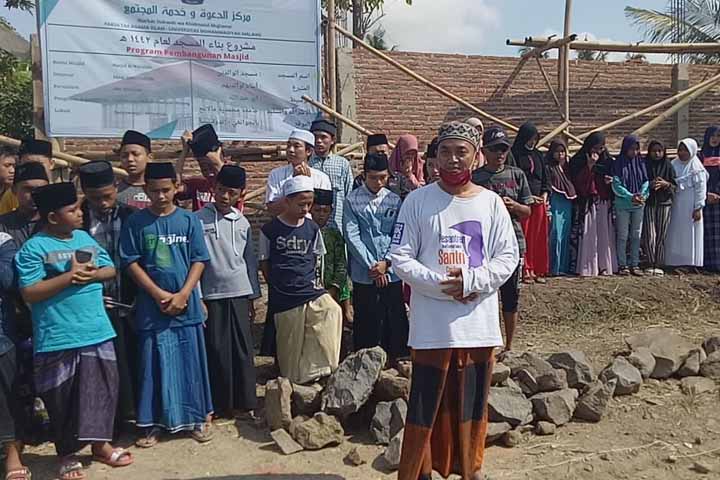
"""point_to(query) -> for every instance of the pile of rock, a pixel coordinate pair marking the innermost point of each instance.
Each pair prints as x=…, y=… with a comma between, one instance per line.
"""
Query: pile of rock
x=530, y=392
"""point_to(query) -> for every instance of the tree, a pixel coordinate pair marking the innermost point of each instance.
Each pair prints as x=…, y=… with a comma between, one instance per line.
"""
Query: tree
x=700, y=23
x=523, y=50
x=636, y=57
x=377, y=40
x=28, y=5
x=591, y=55
x=366, y=13
x=16, y=102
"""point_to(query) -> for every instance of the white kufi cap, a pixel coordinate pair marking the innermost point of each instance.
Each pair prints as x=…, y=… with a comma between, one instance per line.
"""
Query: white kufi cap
x=303, y=136
x=297, y=184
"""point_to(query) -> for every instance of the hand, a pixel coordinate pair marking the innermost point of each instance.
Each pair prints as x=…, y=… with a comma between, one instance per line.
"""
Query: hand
x=251, y=310
x=379, y=269
x=175, y=304
x=697, y=215
x=334, y=292
x=85, y=275
x=469, y=299
x=204, y=309
x=301, y=169
x=638, y=199
x=538, y=199
x=217, y=160
x=185, y=139
x=661, y=184
x=510, y=204
x=713, y=198
x=382, y=281
x=454, y=284
x=608, y=179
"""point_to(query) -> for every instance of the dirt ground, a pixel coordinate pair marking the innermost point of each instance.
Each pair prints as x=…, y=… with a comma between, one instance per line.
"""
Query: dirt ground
x=658, y=434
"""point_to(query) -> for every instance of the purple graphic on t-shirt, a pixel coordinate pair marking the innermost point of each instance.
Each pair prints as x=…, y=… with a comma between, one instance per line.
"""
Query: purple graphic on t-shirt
x=475, y=246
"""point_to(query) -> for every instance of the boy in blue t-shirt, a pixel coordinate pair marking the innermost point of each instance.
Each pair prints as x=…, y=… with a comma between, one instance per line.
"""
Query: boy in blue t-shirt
x=163, y=250
x=308, y=320
x=60, y=274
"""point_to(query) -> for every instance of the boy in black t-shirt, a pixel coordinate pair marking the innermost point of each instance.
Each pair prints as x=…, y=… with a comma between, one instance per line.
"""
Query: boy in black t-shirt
x=308, y=320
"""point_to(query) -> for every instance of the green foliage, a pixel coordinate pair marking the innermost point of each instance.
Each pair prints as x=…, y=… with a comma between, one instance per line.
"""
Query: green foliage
x=369, y=5
x=28, y=5
x=16, y=99
x=377, y=40
x=523, y=50
x=591, y=55
x=701, y=25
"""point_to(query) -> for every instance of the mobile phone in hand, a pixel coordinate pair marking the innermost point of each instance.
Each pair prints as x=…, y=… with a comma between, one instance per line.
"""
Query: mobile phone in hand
x=83, y=256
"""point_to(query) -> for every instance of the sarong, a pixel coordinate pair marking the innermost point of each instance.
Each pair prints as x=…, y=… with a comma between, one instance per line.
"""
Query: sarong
x=711, y=237
x=308, y=340
x=231, y=355
x=596, y=252
x=174, y=386
x=655, y=227
x=380, y=319
x=560, y=225
x=126, y=352
x=535, y=228
x=80, y=389
x=447, y=415
x=8, y=400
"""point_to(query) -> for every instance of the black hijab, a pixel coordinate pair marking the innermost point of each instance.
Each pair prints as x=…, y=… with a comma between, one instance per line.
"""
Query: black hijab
x=580, y=160
x=558, y=175
x=520, y=151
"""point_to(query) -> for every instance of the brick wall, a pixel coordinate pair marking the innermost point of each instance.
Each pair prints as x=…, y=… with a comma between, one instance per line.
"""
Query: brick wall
x=390, y=101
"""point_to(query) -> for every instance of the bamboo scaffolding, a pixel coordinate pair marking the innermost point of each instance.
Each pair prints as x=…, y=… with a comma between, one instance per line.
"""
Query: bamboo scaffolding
x=549, y=45
x=550, y=87
x=679, y=96
x=554, y=133
x=332, y=65
x=668, y=48
x=425, y=81
x=673, y=110
x=566, y=61
x=62, y=160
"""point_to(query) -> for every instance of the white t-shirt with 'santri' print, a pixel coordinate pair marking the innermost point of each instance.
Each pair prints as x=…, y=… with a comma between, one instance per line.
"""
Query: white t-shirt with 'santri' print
x=436, y=232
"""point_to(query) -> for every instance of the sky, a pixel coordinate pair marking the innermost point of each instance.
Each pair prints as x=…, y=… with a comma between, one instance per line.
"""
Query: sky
x=480, y=27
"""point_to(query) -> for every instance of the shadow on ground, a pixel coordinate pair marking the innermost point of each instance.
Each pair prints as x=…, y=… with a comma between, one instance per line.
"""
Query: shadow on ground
x=273, y=476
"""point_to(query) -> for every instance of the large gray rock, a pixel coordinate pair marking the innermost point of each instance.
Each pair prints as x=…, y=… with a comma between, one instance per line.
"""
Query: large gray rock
x=691, y=367
x=594, y=400
x=278, y=403
x=391, y=386
x=495, y=431
x=628, y=377
x=580, y=372
x=380, y=424
x=669, y=349
x=642, y=359
x=500, y=374
x=306, y=399
x=320, y=431
x=697, y=385
x=712, y=344
x=350, y=386
x=533, y=380
x=555, y=407
x=394, y=450
x=508, y=405
x=710, y=368
x=398, y=416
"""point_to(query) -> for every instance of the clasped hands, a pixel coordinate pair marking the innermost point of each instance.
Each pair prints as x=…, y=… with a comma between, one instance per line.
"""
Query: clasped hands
x=454, y=286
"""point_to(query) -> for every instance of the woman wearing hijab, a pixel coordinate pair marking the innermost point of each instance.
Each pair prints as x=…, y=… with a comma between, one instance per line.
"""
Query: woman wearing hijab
x=710, y=156
x=529, y=159
x=631, y=187
x=406, y=164
x=593, y=229
x=658, y=206
x=684, y=246
x=562, y=199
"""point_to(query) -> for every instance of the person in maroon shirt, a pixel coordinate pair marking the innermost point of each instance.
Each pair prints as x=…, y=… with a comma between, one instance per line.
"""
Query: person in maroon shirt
x=207, y=149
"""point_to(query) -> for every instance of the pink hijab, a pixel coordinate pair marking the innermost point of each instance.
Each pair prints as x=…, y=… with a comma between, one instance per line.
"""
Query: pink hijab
x=404, y=144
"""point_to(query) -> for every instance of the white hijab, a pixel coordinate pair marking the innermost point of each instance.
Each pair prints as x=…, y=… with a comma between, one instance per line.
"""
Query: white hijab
x=683, y=170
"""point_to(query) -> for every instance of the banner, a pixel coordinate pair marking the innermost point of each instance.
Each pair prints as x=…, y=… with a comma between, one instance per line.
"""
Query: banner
x=162, y=67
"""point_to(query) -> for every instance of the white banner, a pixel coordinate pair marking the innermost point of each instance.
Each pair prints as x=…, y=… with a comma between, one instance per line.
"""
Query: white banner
x=162, y=67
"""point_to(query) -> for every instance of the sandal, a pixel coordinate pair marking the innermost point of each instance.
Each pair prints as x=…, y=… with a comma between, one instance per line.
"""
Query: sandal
x=115, y=459
x=150, y=439
x=72, y=470
x=202, y=434
x=21, y=474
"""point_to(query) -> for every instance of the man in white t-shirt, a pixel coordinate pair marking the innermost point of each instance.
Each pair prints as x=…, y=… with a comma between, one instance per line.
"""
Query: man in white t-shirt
x=299, y=150
x=454, y=245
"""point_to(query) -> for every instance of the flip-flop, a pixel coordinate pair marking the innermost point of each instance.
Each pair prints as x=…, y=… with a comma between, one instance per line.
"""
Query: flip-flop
x=20, y=474
x=203, y=434
x=72, y=467
x=150, y=439
x=114, y=460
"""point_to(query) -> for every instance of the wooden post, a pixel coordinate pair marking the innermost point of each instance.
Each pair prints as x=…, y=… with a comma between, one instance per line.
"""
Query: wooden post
x=652, y=108
x=332, y=65
x=566, y=59
x=550, y=87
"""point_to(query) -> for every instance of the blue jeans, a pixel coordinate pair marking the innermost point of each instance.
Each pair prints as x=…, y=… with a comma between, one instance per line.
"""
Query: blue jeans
x=629, y=226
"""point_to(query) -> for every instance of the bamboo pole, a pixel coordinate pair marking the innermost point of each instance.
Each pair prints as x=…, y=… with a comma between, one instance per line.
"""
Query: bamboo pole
x=549, y=86
x=340, y=117
x=549, y=45
x=350, y=148
x=64, y=160
x=668, y=48
x=566, y=60
x=652, y=108
x=554, y=133
x=673, y=110
x=425, y=81
x=331, y=54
